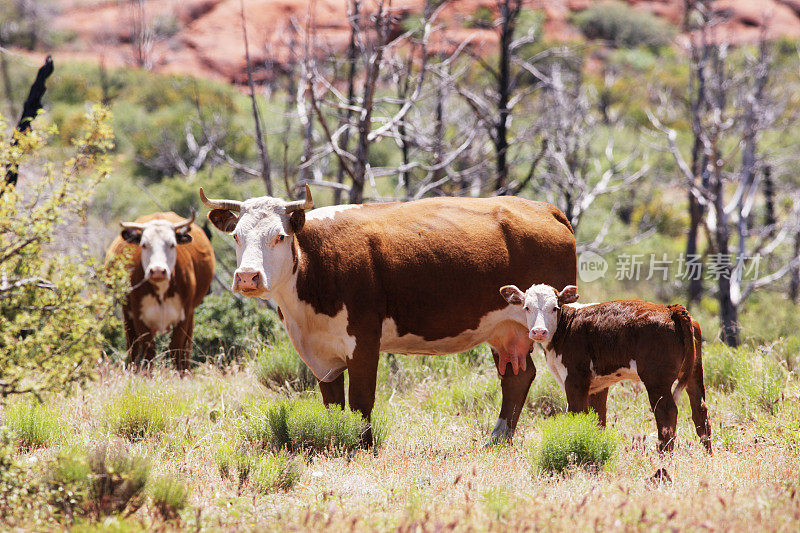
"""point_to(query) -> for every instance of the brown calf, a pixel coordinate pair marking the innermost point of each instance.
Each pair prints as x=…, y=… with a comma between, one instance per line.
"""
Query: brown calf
x=590, y=347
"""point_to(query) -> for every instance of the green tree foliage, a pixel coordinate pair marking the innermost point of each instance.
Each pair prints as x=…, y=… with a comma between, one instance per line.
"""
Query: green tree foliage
x=53, y=304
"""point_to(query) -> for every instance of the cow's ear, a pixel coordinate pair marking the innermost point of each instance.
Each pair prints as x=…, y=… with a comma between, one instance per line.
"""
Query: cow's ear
x=568, y=295
x=132, y=235
x=223, y=219
x=296, y=220
x=512, y=294
x=183, y=237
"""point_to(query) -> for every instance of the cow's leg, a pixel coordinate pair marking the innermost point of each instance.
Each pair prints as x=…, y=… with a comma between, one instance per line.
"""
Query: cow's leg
x=133, y=347
x=333, y=391
x=697, y=399
x=666, y=413
x=515, y=390
x=362, y=369
x=180, y=347
x=577, y=389
x=597, y=401
x=143, y=348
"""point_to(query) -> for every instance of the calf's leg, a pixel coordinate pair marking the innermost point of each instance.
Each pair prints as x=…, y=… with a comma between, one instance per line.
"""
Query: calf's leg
x=666, y=413
x=577, y=389
x=180, y=346
x=597, y=401
x=515, y=390
x=697, y=400
x=333, y=391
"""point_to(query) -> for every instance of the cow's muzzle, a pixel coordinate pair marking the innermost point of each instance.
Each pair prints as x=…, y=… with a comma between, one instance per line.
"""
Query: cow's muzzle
x=538, y=335
x=157, y=274
x=249, y=282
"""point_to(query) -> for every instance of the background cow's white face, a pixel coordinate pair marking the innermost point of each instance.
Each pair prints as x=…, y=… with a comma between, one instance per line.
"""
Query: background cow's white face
x=541, y=304
x=158, y=241
x=264, y=231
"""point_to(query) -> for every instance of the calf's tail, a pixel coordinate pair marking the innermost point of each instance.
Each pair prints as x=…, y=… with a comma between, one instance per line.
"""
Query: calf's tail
x=683, y=324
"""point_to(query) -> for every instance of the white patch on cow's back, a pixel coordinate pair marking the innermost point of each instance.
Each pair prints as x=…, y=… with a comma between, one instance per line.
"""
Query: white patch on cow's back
x=321, y=341
x=160, y=316
x=495, y=327
x=556, y=366
x=599, y=383
x=581, y=306
x=329, y=211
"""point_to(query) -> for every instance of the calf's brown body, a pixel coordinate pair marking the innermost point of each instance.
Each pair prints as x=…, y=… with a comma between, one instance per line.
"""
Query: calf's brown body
x=597, y=345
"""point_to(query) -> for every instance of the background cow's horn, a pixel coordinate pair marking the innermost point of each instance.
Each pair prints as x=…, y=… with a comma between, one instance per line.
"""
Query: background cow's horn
x=305, y=205
x=184, y=223
x=132, y=225
x=230, y=205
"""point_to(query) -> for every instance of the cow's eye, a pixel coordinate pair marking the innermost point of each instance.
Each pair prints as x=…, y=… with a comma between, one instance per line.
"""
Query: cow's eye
x=172, y=245
x=556, y=308
x=144, y=246
x=527, y=308
x=279, y=239
x=236, y=238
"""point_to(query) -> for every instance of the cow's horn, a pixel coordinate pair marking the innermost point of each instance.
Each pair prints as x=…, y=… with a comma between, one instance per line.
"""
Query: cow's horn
x=230, y=205
x=305, y=205
x=131, y=225
x=184, y=223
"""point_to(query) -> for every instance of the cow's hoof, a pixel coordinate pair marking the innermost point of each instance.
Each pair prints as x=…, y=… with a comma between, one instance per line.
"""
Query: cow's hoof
x=501, y=434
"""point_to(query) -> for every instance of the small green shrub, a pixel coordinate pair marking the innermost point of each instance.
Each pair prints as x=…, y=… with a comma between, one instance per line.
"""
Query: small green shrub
x=278, y=365
x=306, y=424
x=169, y=495
x=622, y=25
x=140, y=411
x=100, y=482
x=545, y=397
x=33, y=425
x=280, y=471
x=573, y=440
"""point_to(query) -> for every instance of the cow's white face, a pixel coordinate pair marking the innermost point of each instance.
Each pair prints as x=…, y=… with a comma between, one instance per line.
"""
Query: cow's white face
x=541, y=304
x=264, y=230
x=158, y=241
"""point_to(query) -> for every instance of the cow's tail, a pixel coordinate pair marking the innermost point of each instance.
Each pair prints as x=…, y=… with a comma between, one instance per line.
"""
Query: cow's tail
x=683, y=324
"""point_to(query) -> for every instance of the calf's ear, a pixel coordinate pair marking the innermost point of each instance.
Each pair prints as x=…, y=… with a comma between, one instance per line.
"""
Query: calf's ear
x=512, y=294
x=132, y=235
x=223, y=219
x=568, y=295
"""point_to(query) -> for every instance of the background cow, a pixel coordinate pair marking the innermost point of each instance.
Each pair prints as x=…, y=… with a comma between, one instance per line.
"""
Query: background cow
x=590, y=347
x=172, y=266
x=410, y=278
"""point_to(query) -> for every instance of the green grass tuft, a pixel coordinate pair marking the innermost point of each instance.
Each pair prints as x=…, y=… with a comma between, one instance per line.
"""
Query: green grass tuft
x=33, y=425
x=545, y=397
x=280, y=471
x=570, y=440
x=279, y=366
x=306, y=424
x=169, y=495
x=141, y=411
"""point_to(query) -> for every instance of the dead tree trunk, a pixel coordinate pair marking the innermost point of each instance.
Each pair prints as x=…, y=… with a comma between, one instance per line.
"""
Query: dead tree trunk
x=509, y=11
x=355, y=22
x=30, y=109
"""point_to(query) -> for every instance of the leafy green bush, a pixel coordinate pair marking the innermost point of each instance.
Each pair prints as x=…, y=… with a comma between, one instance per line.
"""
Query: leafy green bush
x=33, y=425
x=306, y=424
x=465, y=395
x=169, y=495
x=622, y=25
x=278, y=365
x=279, y=471
x=141, y=410
x=226, y=327
x=573, y=439
x=54, y=303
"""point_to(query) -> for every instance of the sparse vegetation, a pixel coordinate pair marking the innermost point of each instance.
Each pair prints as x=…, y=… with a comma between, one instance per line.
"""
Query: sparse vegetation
x=622, y=25
x=140, y=410
x=169, y=495
x=278, y=365
x=279, y=471
x=33, y=424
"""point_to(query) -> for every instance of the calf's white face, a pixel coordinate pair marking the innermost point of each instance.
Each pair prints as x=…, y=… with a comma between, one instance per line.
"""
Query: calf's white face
x=542, y=304
x=158, y=241
x=263, y=229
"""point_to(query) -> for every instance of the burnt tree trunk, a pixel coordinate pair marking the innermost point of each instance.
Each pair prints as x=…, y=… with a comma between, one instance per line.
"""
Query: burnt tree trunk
x=509, y=10
x=351, y=90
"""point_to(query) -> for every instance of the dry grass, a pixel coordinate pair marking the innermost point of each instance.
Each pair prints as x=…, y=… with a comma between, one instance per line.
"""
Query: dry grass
x=434, y=471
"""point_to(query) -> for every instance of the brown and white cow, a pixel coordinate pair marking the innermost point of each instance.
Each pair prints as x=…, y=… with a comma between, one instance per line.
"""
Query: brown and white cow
x=589, y=347
x=172, y=266
x=410, y=278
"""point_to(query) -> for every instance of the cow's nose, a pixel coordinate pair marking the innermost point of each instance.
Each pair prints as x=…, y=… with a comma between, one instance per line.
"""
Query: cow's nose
x=538, y=334
x=158, y=273
x=247, y=281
